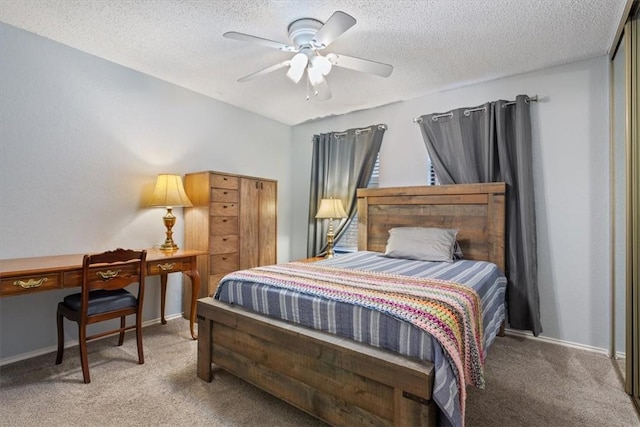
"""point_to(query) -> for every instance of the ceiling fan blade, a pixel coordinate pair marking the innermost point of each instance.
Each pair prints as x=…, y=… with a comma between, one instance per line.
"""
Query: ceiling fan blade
x=297, y=67
x=364, y=65
x=259, y=40
x=337, y=24
x=264, y=71
x=322, y=89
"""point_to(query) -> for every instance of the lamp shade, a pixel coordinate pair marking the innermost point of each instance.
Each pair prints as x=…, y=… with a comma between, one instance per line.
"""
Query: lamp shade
x=331, y=208
x=169, y=192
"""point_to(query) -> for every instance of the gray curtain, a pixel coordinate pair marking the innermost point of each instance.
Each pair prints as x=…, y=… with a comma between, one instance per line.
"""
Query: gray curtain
x=342, y=162
x=488, y=143
x=461, y=144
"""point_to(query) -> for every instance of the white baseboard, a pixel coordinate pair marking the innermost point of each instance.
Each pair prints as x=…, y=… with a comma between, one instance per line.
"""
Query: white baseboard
x=67, y=344
x=527, y=335
x=599, y=350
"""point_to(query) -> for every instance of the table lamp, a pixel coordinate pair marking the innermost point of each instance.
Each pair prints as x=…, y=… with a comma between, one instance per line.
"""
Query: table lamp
x=331, y=209
x=169, y=193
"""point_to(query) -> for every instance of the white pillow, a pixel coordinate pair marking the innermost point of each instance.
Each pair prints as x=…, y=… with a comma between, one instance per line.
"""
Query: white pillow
x=420, y=243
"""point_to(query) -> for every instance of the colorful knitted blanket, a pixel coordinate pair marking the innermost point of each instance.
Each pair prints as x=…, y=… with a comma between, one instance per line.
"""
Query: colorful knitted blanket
x=450, y=312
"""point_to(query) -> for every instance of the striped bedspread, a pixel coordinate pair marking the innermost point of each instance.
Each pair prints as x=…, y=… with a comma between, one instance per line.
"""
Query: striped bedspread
x=300, y=302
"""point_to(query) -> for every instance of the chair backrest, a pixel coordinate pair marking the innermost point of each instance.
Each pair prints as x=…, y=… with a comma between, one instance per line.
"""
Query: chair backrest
x=113, y=270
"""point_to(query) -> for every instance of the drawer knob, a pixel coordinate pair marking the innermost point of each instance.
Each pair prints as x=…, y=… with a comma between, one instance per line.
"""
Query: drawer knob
x=109, y=274
x=31, y=283
x=224, y=239
x=166, y=267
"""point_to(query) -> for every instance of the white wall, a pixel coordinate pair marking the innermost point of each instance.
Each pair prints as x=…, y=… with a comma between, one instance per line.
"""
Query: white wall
x=571, y=173
x=82, y=140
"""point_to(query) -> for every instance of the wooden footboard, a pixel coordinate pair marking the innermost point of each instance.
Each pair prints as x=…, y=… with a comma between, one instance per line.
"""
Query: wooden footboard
x=340, y=381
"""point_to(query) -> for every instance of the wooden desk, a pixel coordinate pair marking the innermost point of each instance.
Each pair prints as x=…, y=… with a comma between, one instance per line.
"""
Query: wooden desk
x=22, y=276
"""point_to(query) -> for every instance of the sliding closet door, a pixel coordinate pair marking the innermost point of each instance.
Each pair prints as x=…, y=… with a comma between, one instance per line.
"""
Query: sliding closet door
x=625, y=203
x=619, y=185
x=633, y=321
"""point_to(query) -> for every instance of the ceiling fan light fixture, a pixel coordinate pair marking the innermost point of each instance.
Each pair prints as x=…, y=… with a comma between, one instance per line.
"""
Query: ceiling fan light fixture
x=322, y=64
x=315, y=75
x=297, y=66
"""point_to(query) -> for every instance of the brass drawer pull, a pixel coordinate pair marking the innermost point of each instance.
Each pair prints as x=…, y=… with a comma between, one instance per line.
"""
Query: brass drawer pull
x=166, y=267
x=109, y=274
x=31, y=283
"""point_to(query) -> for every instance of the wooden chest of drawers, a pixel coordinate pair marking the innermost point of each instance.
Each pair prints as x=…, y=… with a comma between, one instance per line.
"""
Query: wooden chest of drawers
x=233, y=218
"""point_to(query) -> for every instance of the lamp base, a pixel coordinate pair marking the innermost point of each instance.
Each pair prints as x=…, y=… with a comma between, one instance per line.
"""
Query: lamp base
x=168, y=246
x=169, y=221
x=330, y=252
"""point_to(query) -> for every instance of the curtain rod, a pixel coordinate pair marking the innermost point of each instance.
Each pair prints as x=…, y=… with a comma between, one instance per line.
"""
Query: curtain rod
x=359, y=131
x=528, y=99
x=435, y=118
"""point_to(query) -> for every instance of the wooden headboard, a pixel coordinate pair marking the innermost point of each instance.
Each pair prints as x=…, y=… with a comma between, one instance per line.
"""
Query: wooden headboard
x=476, y=210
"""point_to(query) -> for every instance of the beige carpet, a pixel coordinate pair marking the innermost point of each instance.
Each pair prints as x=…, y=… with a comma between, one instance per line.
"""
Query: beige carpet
x=528, y=384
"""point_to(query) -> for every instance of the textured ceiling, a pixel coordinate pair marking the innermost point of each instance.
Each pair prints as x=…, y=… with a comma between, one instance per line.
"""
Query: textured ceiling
x=433, y=45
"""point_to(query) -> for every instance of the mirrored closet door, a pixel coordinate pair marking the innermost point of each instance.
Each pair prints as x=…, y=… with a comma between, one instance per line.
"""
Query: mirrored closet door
x=625, y=203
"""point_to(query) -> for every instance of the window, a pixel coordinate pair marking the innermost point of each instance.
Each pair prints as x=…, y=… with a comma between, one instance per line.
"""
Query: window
x=348, y=242
x=431, y=174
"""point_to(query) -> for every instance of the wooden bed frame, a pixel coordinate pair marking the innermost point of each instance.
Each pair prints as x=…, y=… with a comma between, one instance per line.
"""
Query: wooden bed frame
x=338, y=380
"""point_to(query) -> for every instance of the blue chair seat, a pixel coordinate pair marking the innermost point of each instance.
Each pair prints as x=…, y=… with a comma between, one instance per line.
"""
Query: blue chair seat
x=102, y=301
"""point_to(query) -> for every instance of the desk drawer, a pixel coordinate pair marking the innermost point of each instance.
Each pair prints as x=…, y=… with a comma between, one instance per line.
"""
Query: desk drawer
x=74, y=278
x=224, y=195
x=224, y=209
x=27, y=284
x=224, y=263
x=224, y=181
x=161, y=266
x=223, y=244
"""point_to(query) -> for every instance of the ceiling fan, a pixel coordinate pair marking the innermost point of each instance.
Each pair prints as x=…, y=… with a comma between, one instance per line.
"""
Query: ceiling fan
x=308, y=37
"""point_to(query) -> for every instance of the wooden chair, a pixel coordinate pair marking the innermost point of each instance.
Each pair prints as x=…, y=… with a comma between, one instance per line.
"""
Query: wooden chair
x=103, y=297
